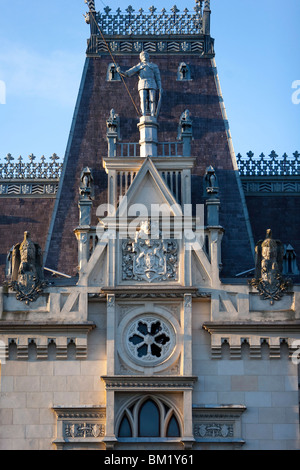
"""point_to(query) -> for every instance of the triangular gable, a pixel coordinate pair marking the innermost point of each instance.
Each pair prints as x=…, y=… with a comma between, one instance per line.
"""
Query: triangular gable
x=148, y=188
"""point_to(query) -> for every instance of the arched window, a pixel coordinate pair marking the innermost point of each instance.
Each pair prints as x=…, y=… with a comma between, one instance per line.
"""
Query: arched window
x=145, y=417
x=112, y=74
x=149, y=420
x=183, y=72
x=173, y=428
x=125, y=428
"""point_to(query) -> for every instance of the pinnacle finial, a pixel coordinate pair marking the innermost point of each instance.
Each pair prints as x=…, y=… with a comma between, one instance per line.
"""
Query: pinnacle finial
x=207, y=5
x=91, y=4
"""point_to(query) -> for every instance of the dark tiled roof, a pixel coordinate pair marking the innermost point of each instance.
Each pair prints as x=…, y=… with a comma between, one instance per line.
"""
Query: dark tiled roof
x=88, y=145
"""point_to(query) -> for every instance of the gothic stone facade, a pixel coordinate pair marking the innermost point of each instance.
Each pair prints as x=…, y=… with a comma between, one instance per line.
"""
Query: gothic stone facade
x=144, y=324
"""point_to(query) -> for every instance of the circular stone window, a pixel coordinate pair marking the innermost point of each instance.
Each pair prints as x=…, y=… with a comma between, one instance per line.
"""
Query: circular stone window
x=150, y=340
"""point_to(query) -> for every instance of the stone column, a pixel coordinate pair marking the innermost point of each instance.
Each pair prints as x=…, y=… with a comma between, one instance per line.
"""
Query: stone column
x=188, y=436
x=206, y=18
x=1, y=302
x=110, y=341
x=148, y=136
x=187, y=335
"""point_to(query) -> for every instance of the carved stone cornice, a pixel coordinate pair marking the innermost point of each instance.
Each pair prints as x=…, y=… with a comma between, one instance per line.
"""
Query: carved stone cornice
x=42, y=335
x=253, y=334
x=253, y=327
x=80, y=412
x=153, y=383
x=140, y=290
x=17, y=327
x=157, y=292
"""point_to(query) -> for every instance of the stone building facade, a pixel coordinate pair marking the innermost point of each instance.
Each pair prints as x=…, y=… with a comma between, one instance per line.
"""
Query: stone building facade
x=149, y=281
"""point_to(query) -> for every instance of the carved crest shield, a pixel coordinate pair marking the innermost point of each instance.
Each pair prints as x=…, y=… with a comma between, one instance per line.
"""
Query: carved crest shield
x=150, y=260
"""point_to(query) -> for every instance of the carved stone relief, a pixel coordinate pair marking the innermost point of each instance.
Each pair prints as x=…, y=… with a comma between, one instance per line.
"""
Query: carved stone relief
x=84, y=430
x=268, y=269
x=213, y=430
x=27, y=270
x=148, y=259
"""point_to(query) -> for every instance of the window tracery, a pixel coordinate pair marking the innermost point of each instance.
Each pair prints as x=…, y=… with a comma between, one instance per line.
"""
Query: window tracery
x=148, y=417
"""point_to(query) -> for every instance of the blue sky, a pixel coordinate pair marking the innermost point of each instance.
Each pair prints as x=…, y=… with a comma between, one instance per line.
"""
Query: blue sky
x=42, y=52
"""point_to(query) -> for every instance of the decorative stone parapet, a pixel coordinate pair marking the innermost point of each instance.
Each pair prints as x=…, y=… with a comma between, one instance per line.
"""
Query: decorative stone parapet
x=155, y=31
x=271, y=165
x=30, y=179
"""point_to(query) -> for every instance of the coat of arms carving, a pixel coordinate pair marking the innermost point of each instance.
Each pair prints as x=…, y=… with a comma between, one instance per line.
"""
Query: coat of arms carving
x=149, y=259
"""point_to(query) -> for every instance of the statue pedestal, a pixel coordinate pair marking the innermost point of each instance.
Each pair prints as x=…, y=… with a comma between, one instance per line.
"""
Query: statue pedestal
x=148, y=136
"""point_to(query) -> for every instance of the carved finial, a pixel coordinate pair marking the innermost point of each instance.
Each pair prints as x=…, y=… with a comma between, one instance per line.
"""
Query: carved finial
x=185, y=124
x=206, y=18
x=86, y=179
x=207, y=5
x=54, y=157
x=31, y=157
x=91, y=4
x=211, y=181
x=112, y=122
x=198, y=6
x=9, y=158
x=129, y=10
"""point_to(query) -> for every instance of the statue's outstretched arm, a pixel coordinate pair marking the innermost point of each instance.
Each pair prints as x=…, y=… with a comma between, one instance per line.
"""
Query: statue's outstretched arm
x=129, y=72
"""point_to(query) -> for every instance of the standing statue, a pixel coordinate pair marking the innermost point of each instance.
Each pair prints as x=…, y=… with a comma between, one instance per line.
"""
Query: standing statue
x=150, y=89
x=27, y=270
x=268, y=269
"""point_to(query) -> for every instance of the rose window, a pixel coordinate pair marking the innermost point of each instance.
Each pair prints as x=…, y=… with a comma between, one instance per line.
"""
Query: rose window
x=150, y=339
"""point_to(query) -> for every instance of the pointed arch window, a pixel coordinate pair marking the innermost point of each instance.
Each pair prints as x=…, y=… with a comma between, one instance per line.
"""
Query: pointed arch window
x=125, y=428
x=149, y=420
x=173, y=428
x=149, y=417
x=112, y=74
x=183, y=72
